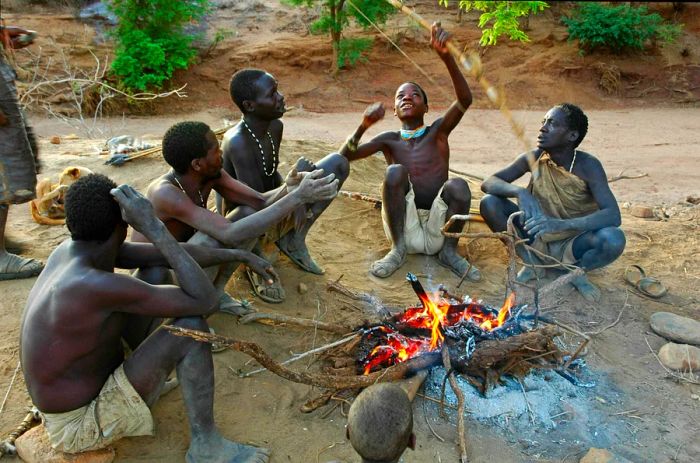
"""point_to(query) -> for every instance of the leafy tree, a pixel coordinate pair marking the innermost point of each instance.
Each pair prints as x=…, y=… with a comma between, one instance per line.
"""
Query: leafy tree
x=336, y=15
x=151, y=42
x=617, y=27
x=501, y=18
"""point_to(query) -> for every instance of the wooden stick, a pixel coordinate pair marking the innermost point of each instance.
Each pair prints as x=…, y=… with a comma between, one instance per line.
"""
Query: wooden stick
x=626, y=177
x=461, y=430
x=466, y=174
x=296, y=357
x=328, y=381
x=280, y=319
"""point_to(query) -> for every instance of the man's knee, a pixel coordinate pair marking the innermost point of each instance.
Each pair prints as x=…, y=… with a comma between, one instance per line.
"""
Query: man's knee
x=337, y=164
x=611, y=240
x=456, y=189
x=240, y=212
x=396, y=175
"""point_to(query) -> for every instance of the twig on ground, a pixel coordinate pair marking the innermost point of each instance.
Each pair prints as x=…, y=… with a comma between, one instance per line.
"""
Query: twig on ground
x=527, y=403
x=280, y=319
x=296, y=357
x=461, y=430
x=9, y=388
x=619, y=316
x=620, y=176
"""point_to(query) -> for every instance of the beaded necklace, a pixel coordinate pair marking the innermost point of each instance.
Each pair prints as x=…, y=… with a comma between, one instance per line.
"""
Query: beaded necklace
x=275, y=157
x=201, y=199
x=407, y=134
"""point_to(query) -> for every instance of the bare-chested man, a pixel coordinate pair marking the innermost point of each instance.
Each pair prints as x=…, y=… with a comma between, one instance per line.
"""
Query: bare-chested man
x=79, y=310
x=251, y=154
x=569, y=211
x=417, y=197
x=180, y=197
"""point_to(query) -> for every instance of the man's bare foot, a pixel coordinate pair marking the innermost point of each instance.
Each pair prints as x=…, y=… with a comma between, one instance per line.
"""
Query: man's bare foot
x=458, y=264
x=295, y=248
x=216, y=449
x=588, y=290
x=528, y=273
x=230, y=305
x=390, y=263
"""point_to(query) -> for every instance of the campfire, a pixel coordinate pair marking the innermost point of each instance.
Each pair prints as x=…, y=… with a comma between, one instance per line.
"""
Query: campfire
x=423, y=329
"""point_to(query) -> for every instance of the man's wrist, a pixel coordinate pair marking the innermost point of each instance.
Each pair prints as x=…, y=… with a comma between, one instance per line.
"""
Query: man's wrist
x=351, y=143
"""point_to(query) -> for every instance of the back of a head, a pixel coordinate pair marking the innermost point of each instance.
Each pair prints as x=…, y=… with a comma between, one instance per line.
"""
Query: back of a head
x=242, y=86
x=92, y=213
x=184, y=142
x=380, y=423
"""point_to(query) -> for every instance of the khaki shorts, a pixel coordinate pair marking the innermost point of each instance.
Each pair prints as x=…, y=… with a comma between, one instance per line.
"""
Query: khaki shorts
x=17, y=168
x=422, y=228
x=561, y=250
x=118, y=411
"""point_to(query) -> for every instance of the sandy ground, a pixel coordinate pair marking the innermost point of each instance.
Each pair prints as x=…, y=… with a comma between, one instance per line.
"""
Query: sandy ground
x=650, y=126
x=264, y=409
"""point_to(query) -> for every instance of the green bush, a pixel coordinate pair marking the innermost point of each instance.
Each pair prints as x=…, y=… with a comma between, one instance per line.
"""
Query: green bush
x=352, y=51
x=617, y=27
x=150, y=40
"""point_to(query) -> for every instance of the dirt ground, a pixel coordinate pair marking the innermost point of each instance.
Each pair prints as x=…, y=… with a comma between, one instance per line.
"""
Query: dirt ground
x=648, y=127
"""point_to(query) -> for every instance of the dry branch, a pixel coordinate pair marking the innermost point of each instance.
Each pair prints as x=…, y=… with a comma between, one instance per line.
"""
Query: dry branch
x=620, y=176
x=393, y=373
x=461, y=430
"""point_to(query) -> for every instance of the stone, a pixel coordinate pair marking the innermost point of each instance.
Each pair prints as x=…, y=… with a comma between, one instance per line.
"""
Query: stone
x=34, y=447
x=676, y=328
x=680, y=357
x=643, y=212
x=55, y=140
x=303, y=289
x=602, y=456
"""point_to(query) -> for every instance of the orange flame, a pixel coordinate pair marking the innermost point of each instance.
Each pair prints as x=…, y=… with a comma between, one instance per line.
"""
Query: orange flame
x=432, y=316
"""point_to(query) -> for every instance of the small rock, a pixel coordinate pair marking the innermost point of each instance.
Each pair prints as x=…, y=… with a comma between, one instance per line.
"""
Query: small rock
x=303, y=289
x=55, y=140
x=71, y=136
x=643, y=212
x=34, y=447
x=695, y=396
x=693, y=199
x=680, y=357
x=676, y=328
x=602, y=456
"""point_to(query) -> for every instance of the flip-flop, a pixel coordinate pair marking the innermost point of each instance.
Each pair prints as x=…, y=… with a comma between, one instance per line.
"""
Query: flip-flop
x=233, y=306
x=262, y=290
x=16, y=267
x=649, y=286
x=313, y=267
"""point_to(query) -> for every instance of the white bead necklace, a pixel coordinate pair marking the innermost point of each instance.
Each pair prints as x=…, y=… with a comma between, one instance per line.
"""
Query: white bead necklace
x=571, y=168
x=275, y=158
x=201, y=199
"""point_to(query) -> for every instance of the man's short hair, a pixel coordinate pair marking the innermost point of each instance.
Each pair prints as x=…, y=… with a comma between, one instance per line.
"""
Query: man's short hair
x=380, y=422
x=184, y=142
x=242, y=86
x=576, y=119
x=92, y=213
x=422, y=92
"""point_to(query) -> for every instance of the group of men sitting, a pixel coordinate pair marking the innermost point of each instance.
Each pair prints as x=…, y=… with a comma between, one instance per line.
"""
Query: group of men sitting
x=81, y=316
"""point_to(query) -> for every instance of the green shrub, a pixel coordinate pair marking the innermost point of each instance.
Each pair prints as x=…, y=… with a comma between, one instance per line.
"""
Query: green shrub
x=150, y=40
x=352, y=51
x=617, y=27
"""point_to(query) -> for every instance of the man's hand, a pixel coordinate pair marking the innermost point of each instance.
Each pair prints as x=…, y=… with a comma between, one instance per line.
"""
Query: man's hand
x=542, y=224
x=314, y=187
x=438, y=40
x=373, y=114
x=529, y=205
x=137, y=211
x=304, y=165
x=261, y=267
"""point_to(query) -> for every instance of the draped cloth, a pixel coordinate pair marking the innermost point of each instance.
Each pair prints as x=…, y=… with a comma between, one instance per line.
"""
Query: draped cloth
x=561, y=195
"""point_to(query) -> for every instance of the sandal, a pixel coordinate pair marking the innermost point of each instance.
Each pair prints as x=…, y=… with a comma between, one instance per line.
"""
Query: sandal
x=16, y=267
x=232, y=306
x=273, y=293
x=649, y=286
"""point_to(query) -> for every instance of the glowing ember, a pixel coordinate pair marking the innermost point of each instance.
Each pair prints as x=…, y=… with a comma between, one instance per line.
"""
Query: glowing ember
x=432, y=317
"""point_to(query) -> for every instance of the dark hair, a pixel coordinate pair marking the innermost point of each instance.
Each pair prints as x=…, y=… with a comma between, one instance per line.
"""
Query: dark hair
x=380, y=422
x=184, y=142
x=425, y=95
x=242, y=86
x=576, y=120
x=92, y=213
